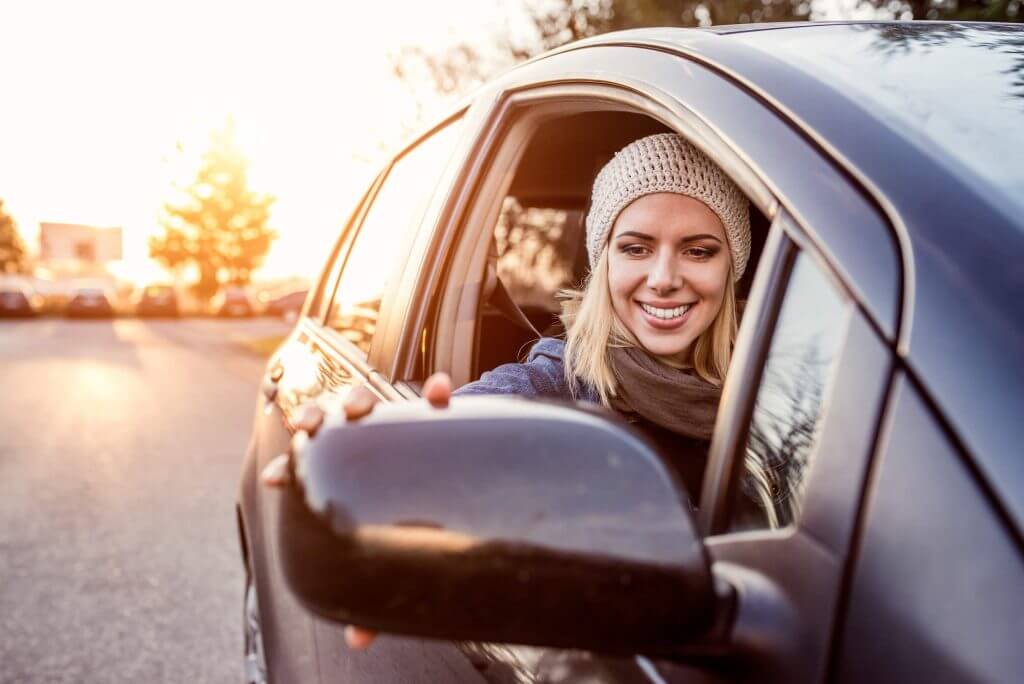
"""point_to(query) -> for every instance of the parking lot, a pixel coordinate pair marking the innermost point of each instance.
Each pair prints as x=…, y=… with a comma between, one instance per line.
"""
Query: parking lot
x=122, y=442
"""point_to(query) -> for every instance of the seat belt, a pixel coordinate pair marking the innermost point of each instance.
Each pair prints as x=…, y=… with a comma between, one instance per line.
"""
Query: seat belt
x=501, y=300
x=496, y=294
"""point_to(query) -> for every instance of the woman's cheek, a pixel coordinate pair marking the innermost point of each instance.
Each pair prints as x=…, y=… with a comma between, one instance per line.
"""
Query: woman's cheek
x=710, y=281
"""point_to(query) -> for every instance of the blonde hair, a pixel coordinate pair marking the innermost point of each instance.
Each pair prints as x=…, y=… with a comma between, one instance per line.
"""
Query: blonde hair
x=593, y=329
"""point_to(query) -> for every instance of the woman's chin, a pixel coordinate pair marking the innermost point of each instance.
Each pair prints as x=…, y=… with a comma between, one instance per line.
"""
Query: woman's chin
x=662, y=346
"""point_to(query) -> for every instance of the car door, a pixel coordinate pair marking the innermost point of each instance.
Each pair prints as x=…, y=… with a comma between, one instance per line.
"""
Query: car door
x=937, y=588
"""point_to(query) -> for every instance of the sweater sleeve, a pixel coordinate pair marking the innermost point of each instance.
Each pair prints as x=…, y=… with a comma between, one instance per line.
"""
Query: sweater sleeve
x=540, y=376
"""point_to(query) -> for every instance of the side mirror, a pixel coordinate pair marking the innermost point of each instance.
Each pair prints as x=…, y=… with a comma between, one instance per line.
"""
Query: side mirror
x=500, y=520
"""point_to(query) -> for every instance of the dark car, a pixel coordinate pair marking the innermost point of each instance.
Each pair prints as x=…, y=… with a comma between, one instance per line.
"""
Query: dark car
x=17, y=300
x=862, y=514
x=89, y=302
x=233, y=302
x=287, y=306
x=157, y=301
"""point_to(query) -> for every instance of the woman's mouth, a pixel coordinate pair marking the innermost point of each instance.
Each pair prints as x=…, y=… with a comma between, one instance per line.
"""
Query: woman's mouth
x=665, y=318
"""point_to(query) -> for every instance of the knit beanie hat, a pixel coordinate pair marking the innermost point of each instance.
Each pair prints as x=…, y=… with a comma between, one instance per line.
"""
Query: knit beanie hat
x=665, y=162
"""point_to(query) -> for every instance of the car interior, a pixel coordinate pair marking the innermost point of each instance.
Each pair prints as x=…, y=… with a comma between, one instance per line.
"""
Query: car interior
x=538, y=245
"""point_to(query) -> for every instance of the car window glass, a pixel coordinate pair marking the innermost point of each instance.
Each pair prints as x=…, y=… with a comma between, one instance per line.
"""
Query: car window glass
x=389, y=224
x=319, y=307
x=322, y=297
x=790, y=400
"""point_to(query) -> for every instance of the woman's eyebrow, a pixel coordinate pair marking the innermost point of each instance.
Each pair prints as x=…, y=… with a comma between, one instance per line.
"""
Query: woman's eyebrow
x=702, y=236
x=633, y=233
x=688, y=238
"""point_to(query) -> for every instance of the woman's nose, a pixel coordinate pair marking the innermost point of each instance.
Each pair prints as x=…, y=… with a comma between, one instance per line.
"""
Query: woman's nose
x=665, y=274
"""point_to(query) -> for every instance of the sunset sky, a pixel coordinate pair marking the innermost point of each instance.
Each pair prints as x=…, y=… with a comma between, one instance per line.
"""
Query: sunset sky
x=106, y=104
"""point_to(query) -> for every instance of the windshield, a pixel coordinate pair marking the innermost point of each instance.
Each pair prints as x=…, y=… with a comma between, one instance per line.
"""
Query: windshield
x=955, y=88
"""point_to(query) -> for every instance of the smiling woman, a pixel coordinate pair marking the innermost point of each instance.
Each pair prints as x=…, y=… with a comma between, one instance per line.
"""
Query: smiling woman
x=667, y=236
x=668, y=270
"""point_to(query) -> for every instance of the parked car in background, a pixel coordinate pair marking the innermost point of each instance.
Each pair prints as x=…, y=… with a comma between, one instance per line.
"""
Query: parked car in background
x=18, y=299
x=287, y=306
x=157, y=300
x=862, y=514
x=233, y=302
x=89, y=302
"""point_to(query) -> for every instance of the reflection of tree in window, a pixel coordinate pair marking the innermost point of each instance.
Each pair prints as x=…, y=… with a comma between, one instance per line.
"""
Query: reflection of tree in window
x=535, y=253
x=788, y=411
x=782, y=431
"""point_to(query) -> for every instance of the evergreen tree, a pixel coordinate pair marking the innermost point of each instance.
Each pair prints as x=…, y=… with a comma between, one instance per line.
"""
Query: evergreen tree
x=13, y=258
x=218, y=225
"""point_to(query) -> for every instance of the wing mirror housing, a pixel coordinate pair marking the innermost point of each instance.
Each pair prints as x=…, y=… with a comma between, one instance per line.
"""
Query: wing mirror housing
x=500, y=520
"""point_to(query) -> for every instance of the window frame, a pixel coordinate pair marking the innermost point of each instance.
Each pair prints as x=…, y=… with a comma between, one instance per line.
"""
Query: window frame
x=514, y=119
x=742, y=131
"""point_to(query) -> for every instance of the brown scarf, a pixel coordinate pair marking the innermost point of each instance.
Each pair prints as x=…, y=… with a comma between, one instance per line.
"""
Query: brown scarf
x=676, y=399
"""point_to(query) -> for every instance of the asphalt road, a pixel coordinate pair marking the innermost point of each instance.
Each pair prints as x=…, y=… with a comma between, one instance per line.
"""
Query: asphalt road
x=120, y=452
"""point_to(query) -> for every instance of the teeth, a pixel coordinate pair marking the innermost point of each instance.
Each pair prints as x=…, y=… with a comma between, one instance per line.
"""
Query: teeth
x=665, y=313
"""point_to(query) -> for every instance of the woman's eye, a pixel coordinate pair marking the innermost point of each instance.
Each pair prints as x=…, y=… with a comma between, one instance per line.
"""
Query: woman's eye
x=634, y=250
x=699, y=252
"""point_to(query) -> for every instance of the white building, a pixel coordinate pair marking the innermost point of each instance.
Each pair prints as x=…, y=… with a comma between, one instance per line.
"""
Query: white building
x=75, y=242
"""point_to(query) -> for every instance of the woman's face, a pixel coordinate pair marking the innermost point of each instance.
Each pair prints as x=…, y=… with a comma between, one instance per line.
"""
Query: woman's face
x=668, y=266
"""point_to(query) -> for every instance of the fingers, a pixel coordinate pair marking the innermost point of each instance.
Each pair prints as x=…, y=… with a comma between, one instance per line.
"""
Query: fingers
x=308, y=418
x=357, y=638
x=438, y=389
x=276, y=473
x=359, y=402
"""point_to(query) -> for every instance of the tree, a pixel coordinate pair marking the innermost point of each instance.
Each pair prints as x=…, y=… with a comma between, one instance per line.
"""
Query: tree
x=218, y=225
x=13, y=258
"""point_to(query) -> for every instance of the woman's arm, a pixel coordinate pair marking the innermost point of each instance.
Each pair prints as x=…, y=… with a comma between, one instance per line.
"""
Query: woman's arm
x=541, y=375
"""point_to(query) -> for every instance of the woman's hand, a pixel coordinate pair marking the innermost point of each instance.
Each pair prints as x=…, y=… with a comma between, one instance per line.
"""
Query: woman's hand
x=437, y=390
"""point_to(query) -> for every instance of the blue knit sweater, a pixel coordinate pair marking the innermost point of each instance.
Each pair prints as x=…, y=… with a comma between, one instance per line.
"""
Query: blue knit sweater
x=542, y=375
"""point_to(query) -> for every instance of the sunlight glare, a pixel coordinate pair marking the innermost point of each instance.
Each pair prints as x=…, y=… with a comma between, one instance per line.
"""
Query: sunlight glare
x=115, y=102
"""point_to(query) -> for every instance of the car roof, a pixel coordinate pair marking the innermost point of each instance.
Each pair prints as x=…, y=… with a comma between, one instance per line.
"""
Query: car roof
x=896, y=106
x=911, y=77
